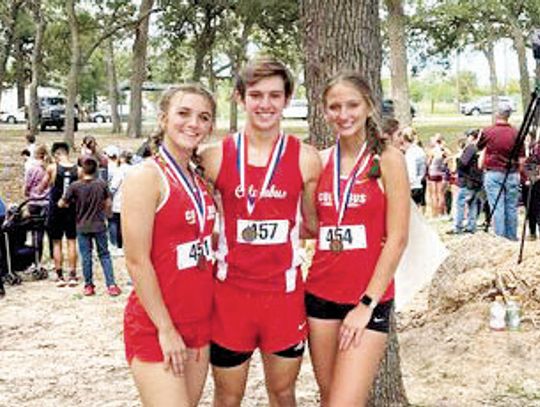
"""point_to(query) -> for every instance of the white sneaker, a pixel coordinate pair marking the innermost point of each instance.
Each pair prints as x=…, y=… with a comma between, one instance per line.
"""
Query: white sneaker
x=117, y=252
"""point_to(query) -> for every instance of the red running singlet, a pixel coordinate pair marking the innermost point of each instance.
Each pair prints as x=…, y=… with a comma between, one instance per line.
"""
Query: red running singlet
x=343, y=276
x=187, y=290
x=269, y=259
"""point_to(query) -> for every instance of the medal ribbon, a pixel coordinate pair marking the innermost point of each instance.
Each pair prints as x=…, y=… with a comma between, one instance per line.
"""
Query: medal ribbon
x=241, y=164
x=194, y=191
x=358, y=168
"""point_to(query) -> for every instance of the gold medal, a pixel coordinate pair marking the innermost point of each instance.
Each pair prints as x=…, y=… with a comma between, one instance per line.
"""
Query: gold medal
x=336, y=245
x=249, y=234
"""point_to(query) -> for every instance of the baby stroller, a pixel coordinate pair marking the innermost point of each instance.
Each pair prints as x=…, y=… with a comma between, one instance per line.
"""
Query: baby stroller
x=19, y=247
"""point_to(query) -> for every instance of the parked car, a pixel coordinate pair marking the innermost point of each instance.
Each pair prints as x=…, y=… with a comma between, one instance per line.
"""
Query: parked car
x=297, y=109
x=52, y=112
x=17, y=116
x=483, y=105
x=388, y=108
x=100, y=116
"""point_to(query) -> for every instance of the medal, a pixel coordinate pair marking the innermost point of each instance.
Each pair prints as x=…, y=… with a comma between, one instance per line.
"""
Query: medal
x=336, y=245
x=249, y=234
x=202, y=263
x=341, y=203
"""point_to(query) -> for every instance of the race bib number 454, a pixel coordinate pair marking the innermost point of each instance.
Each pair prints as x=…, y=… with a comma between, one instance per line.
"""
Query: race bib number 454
x=188, y=254
x=351, y=236
x=262, y=232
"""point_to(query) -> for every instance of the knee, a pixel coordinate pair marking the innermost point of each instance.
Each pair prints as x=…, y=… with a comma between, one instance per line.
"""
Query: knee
x=282, y=396
x=227, y=397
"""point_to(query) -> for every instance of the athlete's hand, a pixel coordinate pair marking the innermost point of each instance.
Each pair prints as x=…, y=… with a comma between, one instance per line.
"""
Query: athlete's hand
x=353, y=326
x=174, y=350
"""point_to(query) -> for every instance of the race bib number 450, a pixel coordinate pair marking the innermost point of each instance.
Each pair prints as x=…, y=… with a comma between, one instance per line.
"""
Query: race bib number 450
x=262, y=232
x=188, y=254
x=351, y=236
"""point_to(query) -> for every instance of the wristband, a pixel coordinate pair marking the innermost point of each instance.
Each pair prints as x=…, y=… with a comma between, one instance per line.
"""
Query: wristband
x=368, y=301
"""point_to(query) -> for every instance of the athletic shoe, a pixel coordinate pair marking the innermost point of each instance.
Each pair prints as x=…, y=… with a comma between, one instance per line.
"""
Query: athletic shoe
x=73, y=279
x=114, y=290
x=89, y=290
x=60, y=280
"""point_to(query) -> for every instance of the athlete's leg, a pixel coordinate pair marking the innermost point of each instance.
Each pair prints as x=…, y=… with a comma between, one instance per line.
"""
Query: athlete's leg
x=323, y=345
x=355, y=370
x=230, y=384
x=280, y=377
x=196, y=369
x=159, y=387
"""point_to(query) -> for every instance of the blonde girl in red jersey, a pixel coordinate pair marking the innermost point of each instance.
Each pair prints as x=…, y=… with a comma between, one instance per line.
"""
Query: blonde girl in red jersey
x=169, y=217
x=362, y=204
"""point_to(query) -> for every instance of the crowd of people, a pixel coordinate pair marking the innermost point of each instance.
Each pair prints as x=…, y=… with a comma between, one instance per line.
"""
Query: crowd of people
x=484, y=175
x=78, y=201
x=211, y=234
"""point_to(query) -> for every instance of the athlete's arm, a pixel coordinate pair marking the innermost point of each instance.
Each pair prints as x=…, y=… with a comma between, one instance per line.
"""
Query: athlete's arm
x=140, y=209
x=211, y=157
x=397, y=191
x=310, y=167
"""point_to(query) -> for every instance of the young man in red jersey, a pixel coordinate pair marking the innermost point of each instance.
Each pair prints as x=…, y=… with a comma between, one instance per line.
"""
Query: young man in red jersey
x=266, y=180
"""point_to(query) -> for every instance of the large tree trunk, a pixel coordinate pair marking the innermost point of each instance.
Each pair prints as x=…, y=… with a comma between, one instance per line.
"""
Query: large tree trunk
x=337, y=35
x=398, y=61
x=20, y=77
x=519, y=46
x=37, y=56
x=9, y=33
x=489, y=53
x=138, y=74
x=346, y=34
x=74, y=72
x=112, y=83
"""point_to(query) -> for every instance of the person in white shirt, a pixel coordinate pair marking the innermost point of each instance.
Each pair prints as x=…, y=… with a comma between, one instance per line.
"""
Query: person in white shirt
x=416, y=161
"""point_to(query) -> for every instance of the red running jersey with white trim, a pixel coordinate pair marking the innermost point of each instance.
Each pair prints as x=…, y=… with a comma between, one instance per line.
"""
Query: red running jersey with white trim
x=344, y=276
x=269, y=259
x=187, y=290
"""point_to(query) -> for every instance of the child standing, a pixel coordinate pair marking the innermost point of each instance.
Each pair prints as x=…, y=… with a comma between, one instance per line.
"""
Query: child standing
x=92, y=201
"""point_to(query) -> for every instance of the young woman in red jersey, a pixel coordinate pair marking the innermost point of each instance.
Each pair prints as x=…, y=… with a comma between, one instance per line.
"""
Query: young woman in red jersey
x=169, y=221
x=362, y=203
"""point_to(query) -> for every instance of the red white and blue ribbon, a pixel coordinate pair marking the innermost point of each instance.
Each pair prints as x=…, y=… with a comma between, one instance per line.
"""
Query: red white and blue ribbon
x=341, y=203
x=241, y=164
x=193, y=189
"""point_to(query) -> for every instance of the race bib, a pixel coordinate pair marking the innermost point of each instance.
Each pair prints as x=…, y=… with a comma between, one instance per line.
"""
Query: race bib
x=188, y=254
x=351, y=236
x=262, y=232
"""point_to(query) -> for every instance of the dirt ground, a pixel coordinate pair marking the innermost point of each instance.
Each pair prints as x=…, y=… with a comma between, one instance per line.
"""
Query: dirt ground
x=58, y=348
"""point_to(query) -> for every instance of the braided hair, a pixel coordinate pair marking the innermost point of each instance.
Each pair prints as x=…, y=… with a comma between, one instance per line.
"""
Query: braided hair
x=375, y=143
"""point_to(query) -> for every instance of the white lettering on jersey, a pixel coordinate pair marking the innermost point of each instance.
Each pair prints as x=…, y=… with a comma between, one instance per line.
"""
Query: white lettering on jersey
x=271, y=192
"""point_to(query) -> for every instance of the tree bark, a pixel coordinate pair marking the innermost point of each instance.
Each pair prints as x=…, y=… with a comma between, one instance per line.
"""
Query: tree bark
x=112, y=83
x=74, y=72
x=9, y=34
x=338, y=35
x=519, y=46
x=37, y=56
x=489, y=53
x=138, y=74
x=20, y=78
x=398, y=61
x=346, y=35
